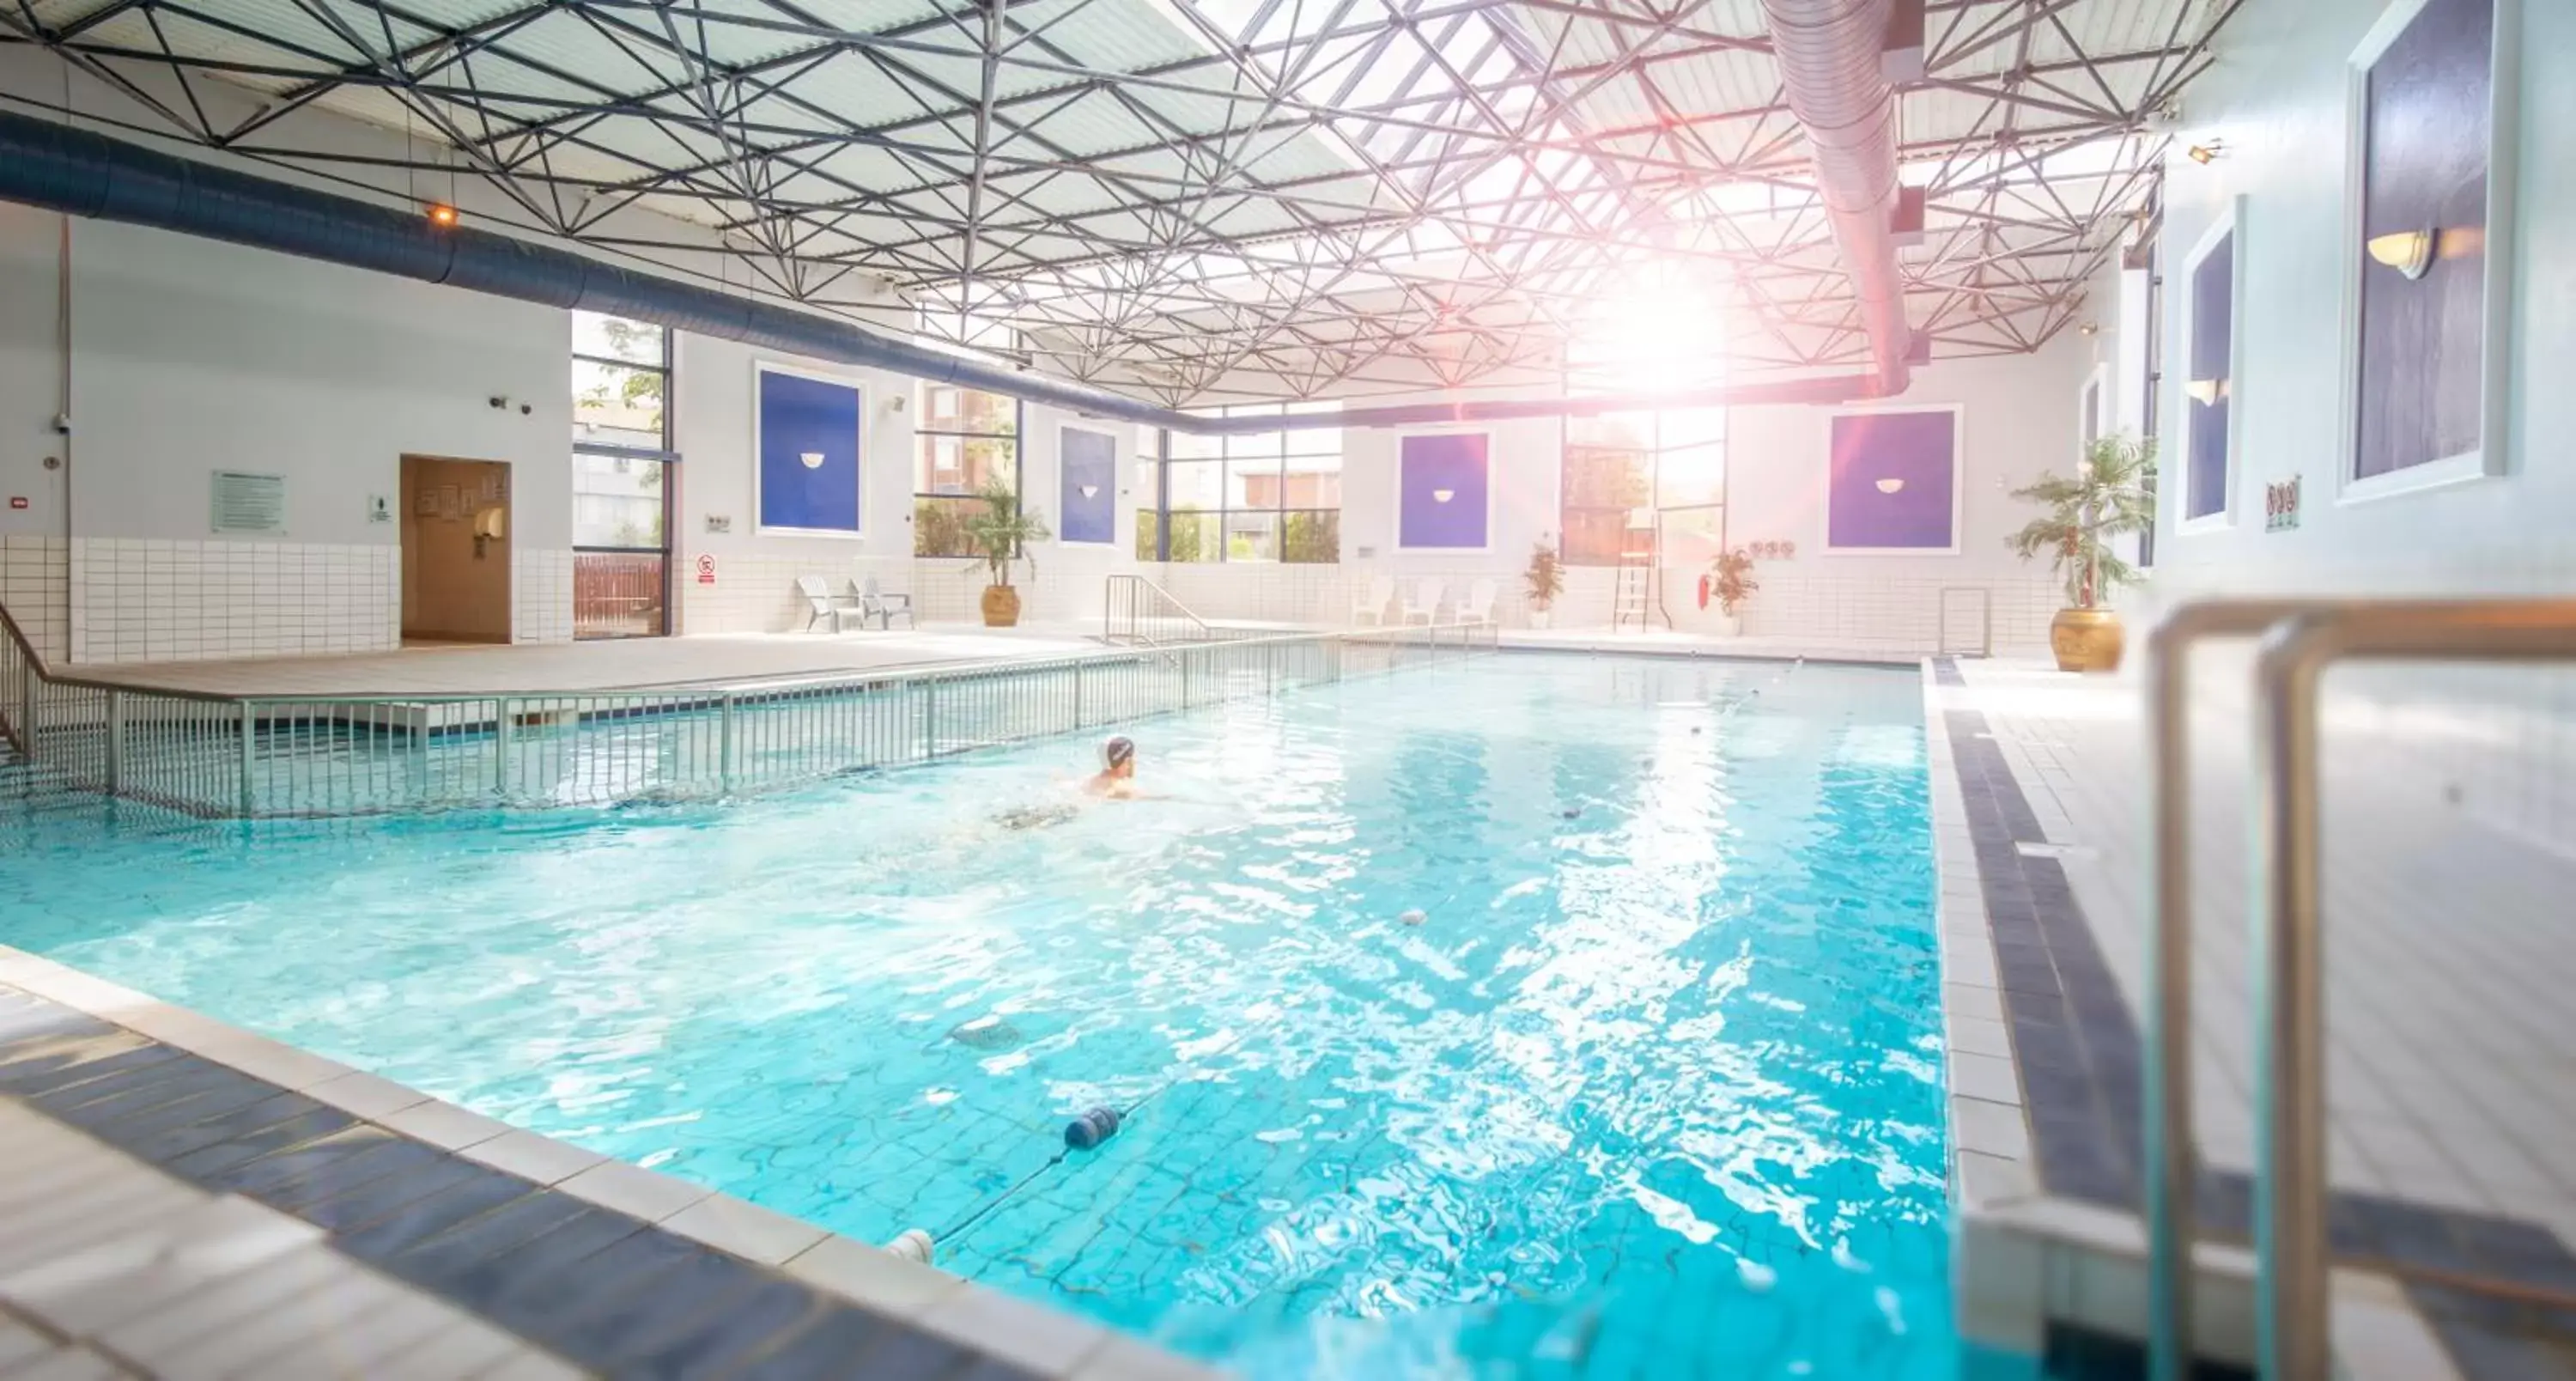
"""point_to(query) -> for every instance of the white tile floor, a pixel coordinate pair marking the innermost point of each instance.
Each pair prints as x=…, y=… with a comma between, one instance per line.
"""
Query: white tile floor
x=2450, y=960
x=127, y=1271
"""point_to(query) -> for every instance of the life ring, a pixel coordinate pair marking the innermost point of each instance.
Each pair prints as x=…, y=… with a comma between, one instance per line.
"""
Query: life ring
x=1703, y=592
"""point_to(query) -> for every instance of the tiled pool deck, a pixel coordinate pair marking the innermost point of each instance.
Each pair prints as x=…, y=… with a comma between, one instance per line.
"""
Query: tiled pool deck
x=2452, y=1211
x=185, y=1199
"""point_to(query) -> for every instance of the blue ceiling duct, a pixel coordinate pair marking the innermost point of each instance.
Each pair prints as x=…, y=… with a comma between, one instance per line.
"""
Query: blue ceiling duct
x=88, y=174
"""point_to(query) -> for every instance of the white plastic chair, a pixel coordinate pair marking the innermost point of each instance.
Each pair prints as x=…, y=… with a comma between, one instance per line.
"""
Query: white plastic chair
x=1479, y=605
x=875, y=603
x=822, y=603
x=1377, y=593
x=1423, y=603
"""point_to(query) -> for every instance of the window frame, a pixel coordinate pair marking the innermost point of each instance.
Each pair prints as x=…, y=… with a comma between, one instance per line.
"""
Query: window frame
x=2227, y=228
x=1017, y=438
x=1278, y=456
x=667, y=458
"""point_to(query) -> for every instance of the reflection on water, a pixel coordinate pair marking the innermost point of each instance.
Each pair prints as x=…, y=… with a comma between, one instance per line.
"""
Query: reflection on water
x=1653, y=1089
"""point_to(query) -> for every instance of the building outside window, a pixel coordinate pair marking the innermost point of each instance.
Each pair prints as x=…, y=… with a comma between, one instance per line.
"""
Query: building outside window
x=964, y=440
x=1261, y=496
x=621, y=473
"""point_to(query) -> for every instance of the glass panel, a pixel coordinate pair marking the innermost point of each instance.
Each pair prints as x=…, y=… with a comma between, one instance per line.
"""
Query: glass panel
x=613, y=405
x=947, y=409
x=1148, y=533
x=617, y=594
x=616, y=338
x=939, y=524
x=1314, y=482
x=1252, y=483
x=964, y=464
x=1187, y=446
x=1149, y=443
x=1197, y=536
x=616, y=502
x=1196, y=484
x=1311, y=537
x=1252, y=537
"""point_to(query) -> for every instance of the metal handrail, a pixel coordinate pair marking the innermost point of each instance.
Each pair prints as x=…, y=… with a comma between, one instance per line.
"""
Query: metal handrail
x=2290, y=1247
x=1131, y=594
x=2305, y=635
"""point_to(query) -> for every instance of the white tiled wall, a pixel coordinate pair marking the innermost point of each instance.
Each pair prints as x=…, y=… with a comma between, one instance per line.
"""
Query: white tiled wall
x=35, y=587
x=757, y=594
x=541, y=595
x=135, y=601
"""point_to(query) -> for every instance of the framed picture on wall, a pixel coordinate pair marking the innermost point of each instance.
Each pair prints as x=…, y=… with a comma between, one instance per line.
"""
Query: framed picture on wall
x=1444, y=493
x=806, y=445
x=2210, y=330
x=1087, y=496
x=1892, y=481
x=2428, y=213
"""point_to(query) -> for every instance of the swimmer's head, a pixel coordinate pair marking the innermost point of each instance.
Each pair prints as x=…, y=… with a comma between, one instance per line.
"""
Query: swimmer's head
x=1118, y=756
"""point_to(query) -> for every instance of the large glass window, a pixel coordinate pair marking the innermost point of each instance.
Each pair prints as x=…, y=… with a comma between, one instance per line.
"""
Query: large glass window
x=1259, y=496
x=1645, y=484
x=621, y=470
x=965, y=439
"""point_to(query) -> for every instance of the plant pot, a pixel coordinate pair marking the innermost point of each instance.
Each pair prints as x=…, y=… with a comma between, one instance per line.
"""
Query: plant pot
x=1001, y=606
x=2086, y=639
x=1730, y=625
x=1538, y=618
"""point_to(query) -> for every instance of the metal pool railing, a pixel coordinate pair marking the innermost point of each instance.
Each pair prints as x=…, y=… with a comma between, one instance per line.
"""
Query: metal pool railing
x=309, y=756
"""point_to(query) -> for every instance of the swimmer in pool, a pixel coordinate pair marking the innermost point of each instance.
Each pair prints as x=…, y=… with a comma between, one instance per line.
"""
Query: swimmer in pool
x=1116, y=778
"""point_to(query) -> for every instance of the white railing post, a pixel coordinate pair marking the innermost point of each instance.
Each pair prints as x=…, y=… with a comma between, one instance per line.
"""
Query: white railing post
x=116, y=743
x=726, y=727
x=501, y=748
x=249, y=750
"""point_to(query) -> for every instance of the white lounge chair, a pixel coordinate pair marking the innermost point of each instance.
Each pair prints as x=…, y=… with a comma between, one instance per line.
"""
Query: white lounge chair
x=1479, y=604
x=1422, y=604
x=1375, y=594
x=875, y=603
x=822, y=604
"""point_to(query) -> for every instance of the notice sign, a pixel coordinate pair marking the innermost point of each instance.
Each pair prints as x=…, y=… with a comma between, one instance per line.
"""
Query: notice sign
x=706, y=569
x=249, y=503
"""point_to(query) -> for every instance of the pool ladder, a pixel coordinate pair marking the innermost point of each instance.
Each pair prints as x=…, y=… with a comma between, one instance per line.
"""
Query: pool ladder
x=2301, y=640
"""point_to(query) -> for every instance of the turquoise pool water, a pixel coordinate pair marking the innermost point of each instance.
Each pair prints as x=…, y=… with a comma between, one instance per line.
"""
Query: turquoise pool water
x=1653, y=1090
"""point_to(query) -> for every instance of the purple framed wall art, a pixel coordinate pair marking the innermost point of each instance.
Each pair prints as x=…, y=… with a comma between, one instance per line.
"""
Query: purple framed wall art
x=2431, y=120
x=1444, y=492
x=1087, y=468
x=1892, y=481
x=805, y=440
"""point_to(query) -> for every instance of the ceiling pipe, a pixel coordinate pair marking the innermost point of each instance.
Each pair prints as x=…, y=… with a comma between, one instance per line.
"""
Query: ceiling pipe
x=83, y=173
x=1830, y=69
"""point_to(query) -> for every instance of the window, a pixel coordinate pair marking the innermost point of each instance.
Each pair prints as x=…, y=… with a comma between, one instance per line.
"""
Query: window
x=965, y=440
x=621, y=473
x=1150, y=443
x=2210, y=327
x=1260, y=496
x=1647, y=483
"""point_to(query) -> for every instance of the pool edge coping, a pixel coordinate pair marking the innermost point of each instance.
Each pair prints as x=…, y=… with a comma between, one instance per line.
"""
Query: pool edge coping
x=966, y=1313
x=2023, y=1257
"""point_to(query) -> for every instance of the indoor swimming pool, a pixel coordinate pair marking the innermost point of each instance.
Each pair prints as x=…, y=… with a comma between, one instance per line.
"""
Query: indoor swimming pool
x=1530, y=1016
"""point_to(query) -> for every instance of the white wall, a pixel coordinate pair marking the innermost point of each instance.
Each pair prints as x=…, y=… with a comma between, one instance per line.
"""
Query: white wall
x=2277, y=101
x=190, y=356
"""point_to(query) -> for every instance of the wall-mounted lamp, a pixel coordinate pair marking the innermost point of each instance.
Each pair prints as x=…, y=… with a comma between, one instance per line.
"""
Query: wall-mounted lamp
x=1443, y=495
x=1890, y=485
x=2206, y=154
x=1091, y=491
x=2410, y=252
x=2090, y=328
x=441, y=214
x=2205, y=392
x=813, y=460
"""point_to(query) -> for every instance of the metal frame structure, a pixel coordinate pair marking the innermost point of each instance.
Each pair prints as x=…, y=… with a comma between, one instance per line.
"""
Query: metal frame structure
x=1190, y=200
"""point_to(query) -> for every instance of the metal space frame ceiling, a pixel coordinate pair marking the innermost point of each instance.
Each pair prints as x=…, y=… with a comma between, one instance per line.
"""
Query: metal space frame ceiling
x=1191, y=200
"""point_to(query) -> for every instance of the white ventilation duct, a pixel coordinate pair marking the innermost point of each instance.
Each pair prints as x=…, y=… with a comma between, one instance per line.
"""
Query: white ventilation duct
x=1828, y=51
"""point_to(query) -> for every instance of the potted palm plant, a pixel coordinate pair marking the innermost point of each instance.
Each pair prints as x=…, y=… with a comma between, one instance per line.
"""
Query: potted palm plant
x=2106, y=497
x=1733, y=585
x=1546, y=579
x=1001, y=535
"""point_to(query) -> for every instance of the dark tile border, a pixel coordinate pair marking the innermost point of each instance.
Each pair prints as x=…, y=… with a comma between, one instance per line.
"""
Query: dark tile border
x=606, y=1291
x=2080, y=1057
